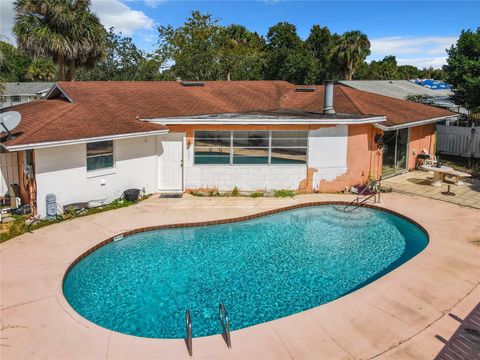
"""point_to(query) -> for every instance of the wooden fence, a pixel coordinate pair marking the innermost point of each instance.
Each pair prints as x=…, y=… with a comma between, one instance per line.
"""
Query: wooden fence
x=458, y=140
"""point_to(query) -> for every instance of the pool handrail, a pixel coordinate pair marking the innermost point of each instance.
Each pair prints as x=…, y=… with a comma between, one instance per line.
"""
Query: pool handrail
x=374, y=187
x=188, y=325
x=225, y=324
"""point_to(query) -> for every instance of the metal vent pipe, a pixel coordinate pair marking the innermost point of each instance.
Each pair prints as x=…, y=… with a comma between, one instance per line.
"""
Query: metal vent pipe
x=328, y=98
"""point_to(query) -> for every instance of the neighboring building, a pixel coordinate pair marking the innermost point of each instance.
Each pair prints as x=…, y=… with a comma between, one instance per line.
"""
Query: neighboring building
x=93, y=140
x=21, y=92
x=400, y=89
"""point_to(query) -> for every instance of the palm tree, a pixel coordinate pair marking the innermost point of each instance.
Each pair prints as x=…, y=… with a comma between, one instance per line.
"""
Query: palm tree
x=88, y=37
x=41, y=69
x=65, y=30
x=352, y=49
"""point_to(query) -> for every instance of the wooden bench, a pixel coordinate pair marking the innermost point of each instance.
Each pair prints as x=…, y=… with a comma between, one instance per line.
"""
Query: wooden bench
x=458, y=176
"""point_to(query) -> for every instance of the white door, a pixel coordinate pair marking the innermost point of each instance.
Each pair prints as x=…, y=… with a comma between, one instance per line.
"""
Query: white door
x=170, y=162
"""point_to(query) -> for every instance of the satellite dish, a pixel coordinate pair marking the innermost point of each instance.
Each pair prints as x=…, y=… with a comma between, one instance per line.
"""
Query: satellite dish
x=9, y=120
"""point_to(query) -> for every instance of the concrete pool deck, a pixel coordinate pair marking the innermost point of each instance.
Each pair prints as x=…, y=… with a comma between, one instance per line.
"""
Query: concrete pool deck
x=399, y=316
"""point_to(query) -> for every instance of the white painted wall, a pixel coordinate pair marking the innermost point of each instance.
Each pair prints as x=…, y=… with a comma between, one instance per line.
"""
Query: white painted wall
x=327, y=152
x=62, y=171
x=245, y=177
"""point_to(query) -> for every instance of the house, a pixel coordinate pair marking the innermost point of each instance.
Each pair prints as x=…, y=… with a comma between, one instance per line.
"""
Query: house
x=438, y=93
x=16, y=93
x=92, y=140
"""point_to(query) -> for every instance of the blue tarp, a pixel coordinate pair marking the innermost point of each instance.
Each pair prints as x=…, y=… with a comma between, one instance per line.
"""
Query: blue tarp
x=433, y=84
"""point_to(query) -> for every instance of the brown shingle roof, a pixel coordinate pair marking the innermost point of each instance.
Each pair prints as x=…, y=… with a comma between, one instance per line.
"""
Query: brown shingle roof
x=111, y=108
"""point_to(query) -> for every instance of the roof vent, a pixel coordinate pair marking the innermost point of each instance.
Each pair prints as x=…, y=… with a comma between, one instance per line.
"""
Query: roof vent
x=193, y=83
x=305, y=89
x=328, y=98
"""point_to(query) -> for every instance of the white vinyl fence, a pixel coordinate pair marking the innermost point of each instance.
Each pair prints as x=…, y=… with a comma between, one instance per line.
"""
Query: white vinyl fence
x=458, y=140
x=9, y=171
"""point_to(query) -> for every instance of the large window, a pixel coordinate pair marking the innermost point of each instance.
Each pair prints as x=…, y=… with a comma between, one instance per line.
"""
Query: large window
x=99, y=155
x=251, y=147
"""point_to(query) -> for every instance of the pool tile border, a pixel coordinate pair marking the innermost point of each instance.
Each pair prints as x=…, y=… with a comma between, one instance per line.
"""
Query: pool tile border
x=231, y=220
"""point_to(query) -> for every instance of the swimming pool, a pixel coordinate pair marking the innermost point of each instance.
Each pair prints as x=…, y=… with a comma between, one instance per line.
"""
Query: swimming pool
x=261, y=269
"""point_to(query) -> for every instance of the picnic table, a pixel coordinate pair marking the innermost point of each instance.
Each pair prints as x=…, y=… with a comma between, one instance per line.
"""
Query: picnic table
x=439, y=174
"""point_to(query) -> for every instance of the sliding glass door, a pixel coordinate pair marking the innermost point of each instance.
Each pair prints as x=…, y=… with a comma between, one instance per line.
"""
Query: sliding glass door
x=395, y=152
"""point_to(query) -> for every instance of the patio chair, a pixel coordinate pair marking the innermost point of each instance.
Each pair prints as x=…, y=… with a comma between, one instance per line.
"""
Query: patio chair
x=424, y=158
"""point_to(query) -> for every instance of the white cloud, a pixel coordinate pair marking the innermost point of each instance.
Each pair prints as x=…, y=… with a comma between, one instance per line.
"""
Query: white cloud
x=111, y=13
x=121, y=17
x=6, y=20
x=424, y=62
x=154, y=3
x=419, y=51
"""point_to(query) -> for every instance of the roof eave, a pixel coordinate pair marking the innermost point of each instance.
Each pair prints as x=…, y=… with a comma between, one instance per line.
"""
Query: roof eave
x=417, y=123
x=264, y=121
x=82, y=141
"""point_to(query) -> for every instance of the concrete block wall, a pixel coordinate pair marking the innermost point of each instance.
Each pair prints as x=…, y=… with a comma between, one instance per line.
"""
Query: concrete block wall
x=248, y=177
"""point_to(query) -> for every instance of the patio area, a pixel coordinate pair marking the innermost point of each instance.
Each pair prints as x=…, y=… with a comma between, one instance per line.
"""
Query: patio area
x=403, y=315
x=419, y=183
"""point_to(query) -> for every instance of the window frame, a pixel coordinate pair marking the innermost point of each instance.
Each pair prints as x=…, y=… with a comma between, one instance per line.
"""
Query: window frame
x=269, y=147
x=15, y=97
x=105, y=170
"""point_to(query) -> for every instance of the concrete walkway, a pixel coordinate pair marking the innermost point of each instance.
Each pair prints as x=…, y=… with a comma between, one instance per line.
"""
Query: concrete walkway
x=419, y=183
x=395, y=317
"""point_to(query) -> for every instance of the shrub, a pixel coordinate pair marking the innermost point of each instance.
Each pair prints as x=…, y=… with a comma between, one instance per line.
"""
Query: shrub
x=235, y=191
x=284, y=193
x=256, y=194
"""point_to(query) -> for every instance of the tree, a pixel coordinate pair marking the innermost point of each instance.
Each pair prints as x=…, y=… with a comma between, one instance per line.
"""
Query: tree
x=65, y=30
x=350, y=52
x=14, y=63
x=123, y=61
x=321, y=43
x=282, y=39
x=463, y=68
x=201, y=49
x=407, y=72
x=41, y=69
x=242, y=53
x=385, y=69
x=431, y=73
x=288, y=58
x=299, y=67
x=87, y=36
x=192, y=47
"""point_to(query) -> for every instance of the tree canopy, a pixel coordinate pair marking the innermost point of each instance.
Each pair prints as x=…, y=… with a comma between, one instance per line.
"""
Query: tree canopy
x=463, y=68
x=68, y=33
x=64, y=30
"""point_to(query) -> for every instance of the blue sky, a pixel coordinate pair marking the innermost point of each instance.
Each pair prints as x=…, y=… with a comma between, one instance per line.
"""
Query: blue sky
x=416, y=32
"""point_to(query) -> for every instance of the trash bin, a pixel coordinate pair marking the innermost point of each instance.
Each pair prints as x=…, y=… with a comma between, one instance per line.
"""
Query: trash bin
x=131, y=194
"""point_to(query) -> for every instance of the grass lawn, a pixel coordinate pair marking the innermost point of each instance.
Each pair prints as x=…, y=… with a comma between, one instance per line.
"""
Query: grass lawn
x=18, y=225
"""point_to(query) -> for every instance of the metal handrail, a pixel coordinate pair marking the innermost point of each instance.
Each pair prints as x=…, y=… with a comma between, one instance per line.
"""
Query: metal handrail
x=356, y=203
x=188, y=325
x=225, y=324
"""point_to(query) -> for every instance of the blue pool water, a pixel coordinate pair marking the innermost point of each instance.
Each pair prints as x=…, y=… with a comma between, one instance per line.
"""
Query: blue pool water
x=261, y=269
